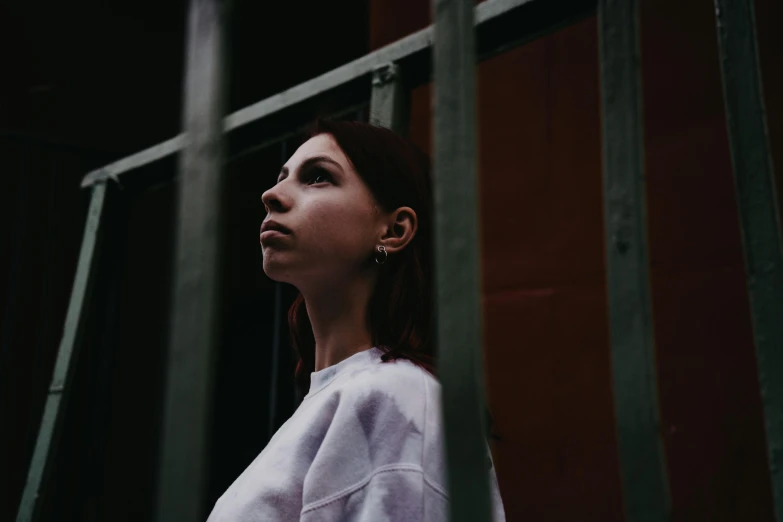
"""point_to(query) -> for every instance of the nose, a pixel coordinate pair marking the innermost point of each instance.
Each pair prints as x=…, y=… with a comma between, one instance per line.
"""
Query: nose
x=274, y=199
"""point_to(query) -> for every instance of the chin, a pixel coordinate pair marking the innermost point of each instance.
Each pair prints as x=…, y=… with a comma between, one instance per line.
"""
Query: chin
x=274, y=272
x=276, y=268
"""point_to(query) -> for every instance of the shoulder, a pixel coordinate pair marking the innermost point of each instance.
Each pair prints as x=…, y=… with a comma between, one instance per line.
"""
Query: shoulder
x=397, y=379
x=398, y=385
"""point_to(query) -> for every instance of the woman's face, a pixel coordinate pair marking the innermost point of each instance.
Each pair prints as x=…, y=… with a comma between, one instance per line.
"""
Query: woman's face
x=332, y=216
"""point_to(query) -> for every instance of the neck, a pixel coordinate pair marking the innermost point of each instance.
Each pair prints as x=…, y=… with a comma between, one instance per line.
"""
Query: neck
x=338, y=315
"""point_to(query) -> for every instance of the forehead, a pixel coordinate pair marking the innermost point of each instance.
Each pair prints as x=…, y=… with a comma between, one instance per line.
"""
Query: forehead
x=320, y=145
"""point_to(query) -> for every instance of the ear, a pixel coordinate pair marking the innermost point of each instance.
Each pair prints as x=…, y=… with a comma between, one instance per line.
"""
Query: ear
x=399, y=229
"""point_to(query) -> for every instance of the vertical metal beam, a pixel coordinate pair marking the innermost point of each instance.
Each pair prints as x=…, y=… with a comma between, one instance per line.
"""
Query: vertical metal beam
x=196, y=293
x=390, y=101
x=642, y=461
x=759, y=217
x=67, y=355
x=458, y=274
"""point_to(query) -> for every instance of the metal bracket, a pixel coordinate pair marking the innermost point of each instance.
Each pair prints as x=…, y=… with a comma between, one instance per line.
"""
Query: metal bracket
x=385, y=74
x=389, y=103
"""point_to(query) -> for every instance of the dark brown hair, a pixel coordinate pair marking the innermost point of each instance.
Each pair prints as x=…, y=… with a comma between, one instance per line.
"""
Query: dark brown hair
x=400, y=311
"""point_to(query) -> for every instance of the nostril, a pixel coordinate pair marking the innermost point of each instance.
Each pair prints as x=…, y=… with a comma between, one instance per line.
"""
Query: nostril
x=269, y=203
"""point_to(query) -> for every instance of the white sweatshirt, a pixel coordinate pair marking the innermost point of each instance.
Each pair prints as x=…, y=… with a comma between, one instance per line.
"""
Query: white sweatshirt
x=366, y=444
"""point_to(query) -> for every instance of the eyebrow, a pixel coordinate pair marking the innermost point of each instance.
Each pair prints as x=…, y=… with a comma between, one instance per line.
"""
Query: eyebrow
x=306, y=163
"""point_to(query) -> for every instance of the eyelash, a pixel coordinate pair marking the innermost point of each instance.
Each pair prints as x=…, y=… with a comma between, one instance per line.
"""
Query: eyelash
x=316, y=173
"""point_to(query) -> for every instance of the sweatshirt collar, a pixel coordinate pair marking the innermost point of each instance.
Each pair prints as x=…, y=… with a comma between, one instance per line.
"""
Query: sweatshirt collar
x=319, y=379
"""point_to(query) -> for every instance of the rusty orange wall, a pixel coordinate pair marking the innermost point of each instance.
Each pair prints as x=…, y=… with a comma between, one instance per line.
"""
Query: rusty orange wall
x=546, y=333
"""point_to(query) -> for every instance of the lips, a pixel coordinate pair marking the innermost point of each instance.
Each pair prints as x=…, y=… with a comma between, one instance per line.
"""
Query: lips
x=274, y=225
x=272, y=231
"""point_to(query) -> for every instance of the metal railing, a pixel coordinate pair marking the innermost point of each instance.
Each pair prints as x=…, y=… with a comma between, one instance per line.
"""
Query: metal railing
x=460, y=36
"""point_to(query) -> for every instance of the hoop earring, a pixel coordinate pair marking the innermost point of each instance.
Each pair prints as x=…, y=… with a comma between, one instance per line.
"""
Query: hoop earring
x=381, y=250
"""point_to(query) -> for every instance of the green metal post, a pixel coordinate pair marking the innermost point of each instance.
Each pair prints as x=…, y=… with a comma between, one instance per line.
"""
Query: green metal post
x=641, y=455
x=196, y=293
x=458, y=274
x=67, y=355
x=759, y=217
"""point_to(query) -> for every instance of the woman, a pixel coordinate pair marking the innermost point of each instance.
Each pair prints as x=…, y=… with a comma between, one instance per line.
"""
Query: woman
x=348, y=224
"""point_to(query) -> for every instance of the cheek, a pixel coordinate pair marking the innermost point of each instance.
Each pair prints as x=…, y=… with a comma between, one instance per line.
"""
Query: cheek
x=339, y=228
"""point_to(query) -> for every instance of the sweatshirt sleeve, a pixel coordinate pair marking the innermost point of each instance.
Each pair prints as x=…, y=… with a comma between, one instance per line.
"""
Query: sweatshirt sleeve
x=393, y=494
x=390, y=494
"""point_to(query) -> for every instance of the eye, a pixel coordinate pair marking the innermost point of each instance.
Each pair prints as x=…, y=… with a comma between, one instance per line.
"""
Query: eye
x=318, y=175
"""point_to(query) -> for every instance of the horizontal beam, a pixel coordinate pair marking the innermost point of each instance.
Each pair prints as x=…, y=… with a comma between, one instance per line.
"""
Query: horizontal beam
x=500, y=25
x=281, y=138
